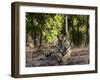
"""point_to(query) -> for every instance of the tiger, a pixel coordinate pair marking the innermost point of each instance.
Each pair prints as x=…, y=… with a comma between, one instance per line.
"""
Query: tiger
x=61, y=49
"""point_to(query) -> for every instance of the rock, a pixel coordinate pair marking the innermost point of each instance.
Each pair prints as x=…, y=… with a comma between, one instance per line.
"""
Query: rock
x=29, y=56
x=79, y=52
x=55, y=58
x=29, y=44
x=42, y=61
x=78, y=60
x=76, y=56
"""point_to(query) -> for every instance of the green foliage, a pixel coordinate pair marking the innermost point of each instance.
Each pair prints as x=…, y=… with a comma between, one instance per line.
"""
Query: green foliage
x=78, y=29
x=53, y=26
x=46, y=27
x=49, y=25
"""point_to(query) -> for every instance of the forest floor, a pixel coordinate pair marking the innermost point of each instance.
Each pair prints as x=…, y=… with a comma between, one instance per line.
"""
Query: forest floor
x=36, y=57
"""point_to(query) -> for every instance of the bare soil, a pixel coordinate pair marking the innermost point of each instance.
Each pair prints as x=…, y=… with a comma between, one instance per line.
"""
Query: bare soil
x=36, y=57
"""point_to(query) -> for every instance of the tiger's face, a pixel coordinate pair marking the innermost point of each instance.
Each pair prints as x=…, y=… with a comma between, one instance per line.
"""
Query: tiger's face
x=61, y=39
x=63, y=44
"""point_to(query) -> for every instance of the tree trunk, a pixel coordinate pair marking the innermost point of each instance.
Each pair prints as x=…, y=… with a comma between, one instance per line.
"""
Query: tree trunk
x=87, y=32
x=73, y=35
x=66, y=24
x=34, y=38
x=33, y=33
x=78, y=37
x=41, y=37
